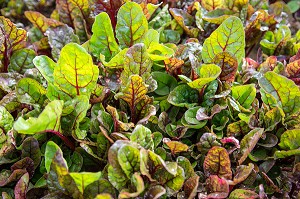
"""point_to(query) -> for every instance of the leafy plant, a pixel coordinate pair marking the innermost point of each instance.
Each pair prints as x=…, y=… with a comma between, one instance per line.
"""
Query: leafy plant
x=149, y=99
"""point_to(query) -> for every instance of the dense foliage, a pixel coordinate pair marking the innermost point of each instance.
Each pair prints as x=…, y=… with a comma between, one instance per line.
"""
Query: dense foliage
x=147, y=99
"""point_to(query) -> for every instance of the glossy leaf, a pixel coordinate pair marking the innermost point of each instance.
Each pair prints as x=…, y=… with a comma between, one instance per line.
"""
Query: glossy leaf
x=58, y=37
x=83, y=179
x=49, y=119
x=129, y=160
x=75, y=74
x=207, y=73
x=6, y=119
x=248, y=143
x=40, y=21
x=165, y=83
x=176, y=147
x=21, y=60
x=131, y=25
x=142, y=136
x=29, y=91
x=243, y=194
x=155, y=192
x=285, y=91
x=103, y=40
x=51, y=150
x=183, y=96
x=31, y=149
x=212, y=5
x=244, y=94
x=242, y=173
x=290, y=139
x=138, y=182
x=228, y=37
x=228, y=64
x=21, y=187
x=217, y=162
x=100, y=186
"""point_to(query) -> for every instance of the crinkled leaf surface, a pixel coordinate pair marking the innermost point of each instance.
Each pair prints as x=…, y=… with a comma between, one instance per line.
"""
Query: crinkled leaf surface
x=129, y=159
x=6, y=119
x=244, y=94
x=103, y=40
x=75, y=73
x=21, y=60
x=49, y=119
x=31, y=149
x=132, y=24
x=207, y=73
x=285, y=91
x=248, y=143
x=290, y=139
x=217, y=162
x=228, y=64
x=228, y=37
x=142, y=136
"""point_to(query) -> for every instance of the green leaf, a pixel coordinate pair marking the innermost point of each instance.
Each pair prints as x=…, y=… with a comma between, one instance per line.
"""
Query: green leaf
x=284, y=154
x=117, y=61
x=117, y=177
x=58, y=37
x=155, y=191
x=84, y=179
x=207, y=141
x=51, y=150
x=242, y=173
x=290, y=139
x=186, y=165
x=207, y=73
x=285, y=91
x=142, y=135
x=272, y=118
x=243, y=194
x=75, y=73
x=165, y=82
x=217, y=16
x=6, y=119
x=131, y=26
x=217, y=162
x=21, y=60
x=29, y=91
x=228, y=64
x=103, y=40
x=137, y=62
x=244, y=94
x=183, y=96
x=139, y=185
x=31, y=149
x=49, y=119
x=98, y=187
x=212, y=4
x=46, y=67
x=228, y=37
x=248, y=143
x=159, y=52
x=129, y=160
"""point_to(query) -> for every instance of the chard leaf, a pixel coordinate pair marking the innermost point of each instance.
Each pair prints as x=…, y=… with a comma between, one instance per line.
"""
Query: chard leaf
x=217, y=162
x=165, y=82
x=272, y=118
x=12, y=39
x=228, y=37
x=22, y=186
x=29, y=91
x=243, y=194
x=49, y=119
x=285, y=91
x=117, y=177
x=138, y=183
x=132, y=24
x=242, y=173
x=100, y=186
x=183, y=96
x=83, y=179
x=46, y=67
x=212, y=4
x=176, y=147
x=6, y=119
x=137, y=62
x=31, y=149
x=134, y=92
x=129, y=160
x=217, y=16
x=244, y=94
x=185, y=20
x=40, y=21
x=155, y=192
x=190, y=186
x=218, y=187
x=58, y=37
x=290, y=139
x=248, y=143
x=21, y=60
x=117, y=61
x=284, y=154
x=207, y=73
x=103, y=40
x=142, y=136
x=228, y=64
x=51, y=150
x=158, y=52
x=75, y=73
